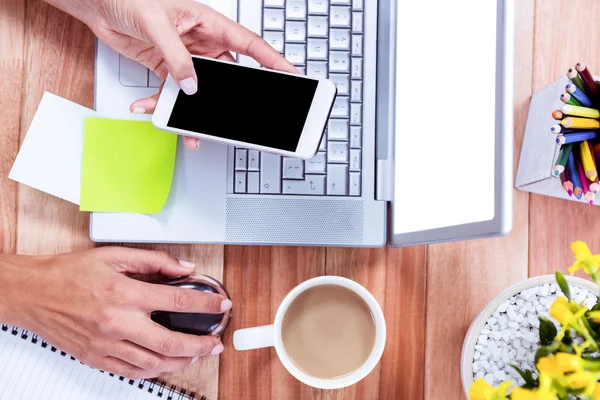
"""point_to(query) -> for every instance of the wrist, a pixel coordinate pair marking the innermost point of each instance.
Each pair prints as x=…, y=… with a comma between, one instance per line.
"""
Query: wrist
x=13, y=282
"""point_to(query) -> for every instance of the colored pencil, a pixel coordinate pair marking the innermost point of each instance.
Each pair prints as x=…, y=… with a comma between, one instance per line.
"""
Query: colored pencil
x=579, y=111
x=577, y=190
x=585, y=185
x=587, y=159
x=563, y=157
x=579, y=95
x=568, y=99
x=558, y=115
x=595, y=184
x=575, y=137
x=559, y=129
x=565, y=179
x=574, y=77
x=588, y=79
x=580, y=123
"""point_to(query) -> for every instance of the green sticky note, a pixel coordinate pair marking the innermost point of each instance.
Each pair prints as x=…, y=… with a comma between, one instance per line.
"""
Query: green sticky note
x=127, y=166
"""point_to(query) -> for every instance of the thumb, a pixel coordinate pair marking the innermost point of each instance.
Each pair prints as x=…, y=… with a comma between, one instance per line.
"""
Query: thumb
x=161, y=32
x=138, y=261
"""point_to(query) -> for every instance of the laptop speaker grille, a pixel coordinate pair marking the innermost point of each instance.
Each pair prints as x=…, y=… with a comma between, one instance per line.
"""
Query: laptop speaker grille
x=294, y=221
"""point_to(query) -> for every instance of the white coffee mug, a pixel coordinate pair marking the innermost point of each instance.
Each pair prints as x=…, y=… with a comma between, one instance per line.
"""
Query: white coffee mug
x=270, y=335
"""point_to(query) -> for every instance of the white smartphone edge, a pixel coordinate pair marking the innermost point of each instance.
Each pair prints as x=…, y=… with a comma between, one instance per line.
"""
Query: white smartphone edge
x=314, y=126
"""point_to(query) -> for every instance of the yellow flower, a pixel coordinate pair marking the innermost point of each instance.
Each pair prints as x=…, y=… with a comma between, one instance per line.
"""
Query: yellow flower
x=561, y=362
x=560, y=311
x=585, y=381
x=481, y=390
x=597, y=393
x=584, y=259
x=526, y=394
x=594, y=316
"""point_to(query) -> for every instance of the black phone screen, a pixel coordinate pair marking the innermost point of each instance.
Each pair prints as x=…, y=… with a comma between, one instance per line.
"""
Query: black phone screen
x=245, y=104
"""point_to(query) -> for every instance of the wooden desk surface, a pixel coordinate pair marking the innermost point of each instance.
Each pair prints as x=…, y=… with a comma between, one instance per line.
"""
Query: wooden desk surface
x=429, y=294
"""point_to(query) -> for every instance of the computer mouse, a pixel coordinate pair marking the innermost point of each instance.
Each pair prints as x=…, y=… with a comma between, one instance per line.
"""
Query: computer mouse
x=192, y=323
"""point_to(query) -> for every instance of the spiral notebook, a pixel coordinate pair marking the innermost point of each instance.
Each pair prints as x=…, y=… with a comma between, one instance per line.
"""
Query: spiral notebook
x=31, y=369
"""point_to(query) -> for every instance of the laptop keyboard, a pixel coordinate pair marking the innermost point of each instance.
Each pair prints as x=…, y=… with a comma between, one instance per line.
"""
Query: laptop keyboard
x=323, y=39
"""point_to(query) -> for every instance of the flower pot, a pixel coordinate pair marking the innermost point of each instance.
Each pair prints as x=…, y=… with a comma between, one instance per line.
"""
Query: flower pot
x=466, y=368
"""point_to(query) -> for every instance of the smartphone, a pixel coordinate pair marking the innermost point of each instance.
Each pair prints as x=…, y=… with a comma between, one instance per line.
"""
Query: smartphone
x=255, y=108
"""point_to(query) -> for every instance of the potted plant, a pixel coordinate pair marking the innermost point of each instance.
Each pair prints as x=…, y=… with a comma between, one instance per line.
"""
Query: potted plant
x=562, y=361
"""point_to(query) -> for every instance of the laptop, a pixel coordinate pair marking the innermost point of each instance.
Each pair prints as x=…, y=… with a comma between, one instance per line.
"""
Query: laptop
x=424, y=119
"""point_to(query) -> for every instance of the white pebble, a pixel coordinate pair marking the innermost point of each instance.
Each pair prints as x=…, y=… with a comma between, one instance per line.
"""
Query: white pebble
x=500, y=375
x=489, y=378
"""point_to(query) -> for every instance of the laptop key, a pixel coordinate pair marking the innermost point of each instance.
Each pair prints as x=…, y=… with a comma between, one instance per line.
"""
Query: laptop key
x=357, y=45
x=357, y=4
x=342, y=81
x=354, y=183
x=312, y=185
x=357, y=68
x=293, y=168
x=295, y=9
x=275, y=39
x=339, y=17
x=296, y=53
x=274, y=19
x=337, y=180
x=270, y=173
x=355, y=160
x=338, y=129
x=339, y=39
x=132, y=73
x=295, y=32
x=355, y=137
x=356, y=91
x=342, y=2
x=240, y=182
x=253, y=182
x=355, y=114
x=274, y=3
x=316, y=165
x=318, y=27
x=253, y=157
x=318, y=7
x=357, y=22
x=317, y=49
x=340, y=108
x=153, y=80
x=240, y=159
x=317, y=69
x=339, y=61
x=337, y=152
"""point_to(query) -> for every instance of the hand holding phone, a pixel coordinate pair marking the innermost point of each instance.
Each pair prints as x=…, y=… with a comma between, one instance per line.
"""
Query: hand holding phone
x=255, y=108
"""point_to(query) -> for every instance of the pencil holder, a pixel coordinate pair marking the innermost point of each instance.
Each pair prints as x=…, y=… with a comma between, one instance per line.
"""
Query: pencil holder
x=539, y=162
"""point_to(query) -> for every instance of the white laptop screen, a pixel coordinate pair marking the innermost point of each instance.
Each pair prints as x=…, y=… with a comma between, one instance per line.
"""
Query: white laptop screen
x=445, y=113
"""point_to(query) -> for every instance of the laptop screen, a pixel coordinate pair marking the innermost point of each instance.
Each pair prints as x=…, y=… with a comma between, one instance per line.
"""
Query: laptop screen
x=445, y=113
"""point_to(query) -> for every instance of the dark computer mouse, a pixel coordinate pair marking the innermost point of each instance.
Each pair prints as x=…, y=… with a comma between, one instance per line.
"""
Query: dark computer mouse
x=195, y=324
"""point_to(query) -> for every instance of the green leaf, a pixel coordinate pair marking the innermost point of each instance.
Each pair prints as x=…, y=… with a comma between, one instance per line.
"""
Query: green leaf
x=542, y=352
x=564, y=286
x=547, y=331
x=527, y=376
x=589, y=327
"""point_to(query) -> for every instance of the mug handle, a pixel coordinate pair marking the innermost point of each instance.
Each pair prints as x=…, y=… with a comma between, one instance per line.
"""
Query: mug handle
x=254, y=338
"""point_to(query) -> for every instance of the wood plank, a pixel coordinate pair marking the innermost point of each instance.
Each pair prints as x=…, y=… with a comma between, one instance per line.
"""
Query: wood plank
x=396, y=277
x=60, y=59
x=12, y=60
x=462, y=277
x=555, y=223
x=258, y=278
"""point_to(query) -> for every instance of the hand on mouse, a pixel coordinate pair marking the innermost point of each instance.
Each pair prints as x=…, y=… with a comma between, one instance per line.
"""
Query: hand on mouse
x=86, y=304
x=161, y=34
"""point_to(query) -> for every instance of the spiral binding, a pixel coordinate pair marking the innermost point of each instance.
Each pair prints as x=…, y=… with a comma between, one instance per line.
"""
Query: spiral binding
x=160, y=388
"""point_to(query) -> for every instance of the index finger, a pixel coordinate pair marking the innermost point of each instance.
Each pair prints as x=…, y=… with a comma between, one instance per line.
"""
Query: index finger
x=156, y=297
x=239, y=39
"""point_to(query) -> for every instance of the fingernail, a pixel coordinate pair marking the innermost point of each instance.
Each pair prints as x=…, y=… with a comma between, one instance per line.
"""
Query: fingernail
x=218, y=349
x=197, y=144
x=139, y=110
x=189, y=86
x=187, y=264
x=194, y=359
x=226, y=305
